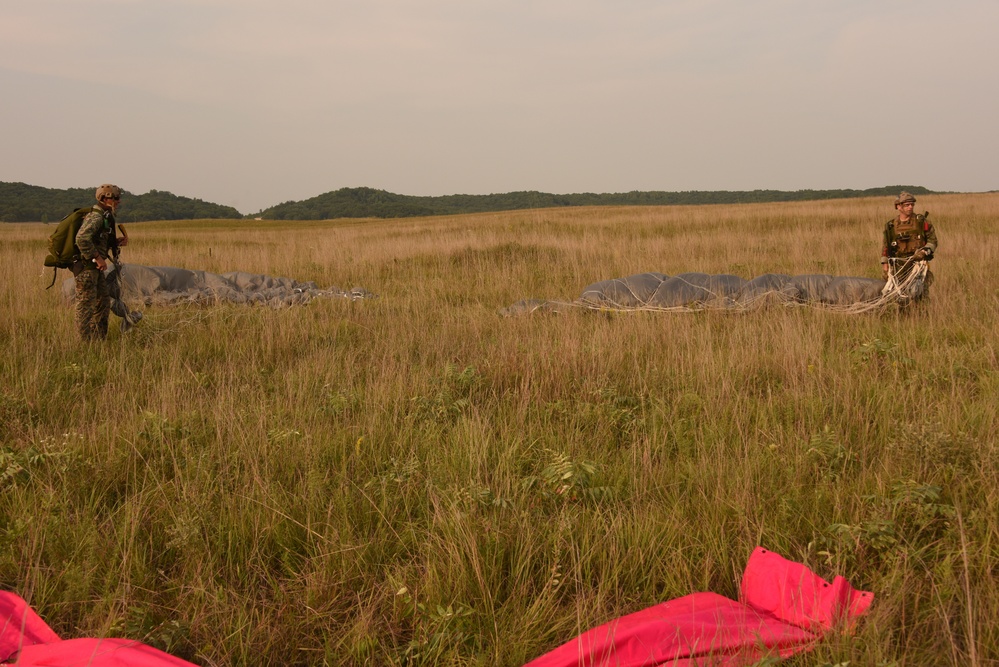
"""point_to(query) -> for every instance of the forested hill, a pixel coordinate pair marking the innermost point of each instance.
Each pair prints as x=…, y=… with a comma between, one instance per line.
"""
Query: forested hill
x=30, y=203
x=20, y=202
x=370, y=203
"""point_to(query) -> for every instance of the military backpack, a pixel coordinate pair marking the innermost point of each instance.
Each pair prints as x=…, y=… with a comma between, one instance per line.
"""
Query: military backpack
x=63, y=251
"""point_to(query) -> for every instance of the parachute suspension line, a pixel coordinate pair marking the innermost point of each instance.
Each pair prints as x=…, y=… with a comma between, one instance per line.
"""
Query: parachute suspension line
x=903, y=287
x=906, y=281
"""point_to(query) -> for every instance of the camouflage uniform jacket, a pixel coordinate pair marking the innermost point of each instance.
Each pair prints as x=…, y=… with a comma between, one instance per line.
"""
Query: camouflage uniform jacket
x=96, y=235
x=902, y=239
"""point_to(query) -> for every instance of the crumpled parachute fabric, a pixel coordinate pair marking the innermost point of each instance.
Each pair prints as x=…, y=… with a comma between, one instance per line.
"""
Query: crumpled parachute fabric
x=27, y=641
x=166, y=285
x=785, y=609
x=697, y=291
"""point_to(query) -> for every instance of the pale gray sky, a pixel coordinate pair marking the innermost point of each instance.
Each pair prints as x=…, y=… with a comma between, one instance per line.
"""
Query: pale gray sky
x=254, y=102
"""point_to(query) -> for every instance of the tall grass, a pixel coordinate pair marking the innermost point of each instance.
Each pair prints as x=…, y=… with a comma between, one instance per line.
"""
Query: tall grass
x=417, y=480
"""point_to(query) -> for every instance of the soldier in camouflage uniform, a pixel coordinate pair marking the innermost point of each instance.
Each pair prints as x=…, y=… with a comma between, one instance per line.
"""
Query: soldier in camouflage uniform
x=909, y=236
x=95, y=240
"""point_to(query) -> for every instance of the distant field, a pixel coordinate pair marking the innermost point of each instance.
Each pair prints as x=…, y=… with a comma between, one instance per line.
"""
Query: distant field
x=417, y=480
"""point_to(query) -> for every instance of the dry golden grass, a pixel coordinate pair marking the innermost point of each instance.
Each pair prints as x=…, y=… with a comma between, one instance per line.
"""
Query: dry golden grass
x=246, y=485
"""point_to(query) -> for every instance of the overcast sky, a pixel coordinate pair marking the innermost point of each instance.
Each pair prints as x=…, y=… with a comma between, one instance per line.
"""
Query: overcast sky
x=251, y=103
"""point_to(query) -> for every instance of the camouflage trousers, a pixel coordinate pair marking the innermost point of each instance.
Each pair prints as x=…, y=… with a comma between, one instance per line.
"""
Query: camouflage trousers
x=93, y=304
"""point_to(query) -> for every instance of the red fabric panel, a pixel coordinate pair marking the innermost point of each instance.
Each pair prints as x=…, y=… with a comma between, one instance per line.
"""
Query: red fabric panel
x=786, y=609
x=677, y=632
x=97, y=653
x=26, y=641
x=20, y=626
x=794, y=594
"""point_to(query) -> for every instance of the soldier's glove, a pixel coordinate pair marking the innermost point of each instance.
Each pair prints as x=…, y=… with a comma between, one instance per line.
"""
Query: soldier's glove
x=928, y=252
x=919, y=255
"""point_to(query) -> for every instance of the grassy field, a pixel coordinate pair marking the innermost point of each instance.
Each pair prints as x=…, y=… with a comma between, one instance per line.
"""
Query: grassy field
x=417, y=480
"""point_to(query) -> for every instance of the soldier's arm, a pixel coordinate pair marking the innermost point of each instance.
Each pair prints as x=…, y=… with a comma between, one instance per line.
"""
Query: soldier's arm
x=91, y=224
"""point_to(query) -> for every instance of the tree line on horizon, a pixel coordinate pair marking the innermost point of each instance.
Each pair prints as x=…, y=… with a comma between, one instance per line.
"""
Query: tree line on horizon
x=372, y=203
x=20, y=202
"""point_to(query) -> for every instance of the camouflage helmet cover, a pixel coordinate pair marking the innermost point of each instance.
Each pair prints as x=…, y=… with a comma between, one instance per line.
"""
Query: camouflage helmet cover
x=108, y=190
x=904, y=198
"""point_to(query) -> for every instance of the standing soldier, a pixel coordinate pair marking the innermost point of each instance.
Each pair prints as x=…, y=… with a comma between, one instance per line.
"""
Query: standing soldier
x=909, y=236
x=96, y=239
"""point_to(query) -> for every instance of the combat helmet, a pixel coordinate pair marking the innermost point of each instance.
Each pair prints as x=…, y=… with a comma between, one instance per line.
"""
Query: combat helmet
x=904, y=198
x=108, y=190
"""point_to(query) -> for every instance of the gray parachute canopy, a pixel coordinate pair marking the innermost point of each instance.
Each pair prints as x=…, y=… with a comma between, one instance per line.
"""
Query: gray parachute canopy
x=164, y=285
x=702, y=291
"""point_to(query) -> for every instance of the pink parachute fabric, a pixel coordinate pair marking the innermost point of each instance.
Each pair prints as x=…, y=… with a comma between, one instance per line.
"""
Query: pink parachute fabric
x=26, y=641
x=786, y=608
